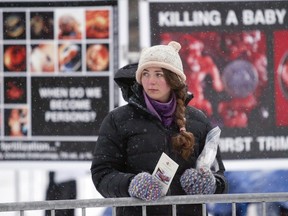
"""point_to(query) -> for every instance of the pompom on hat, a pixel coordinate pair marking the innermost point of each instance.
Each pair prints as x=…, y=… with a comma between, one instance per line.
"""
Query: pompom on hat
x=164, y=56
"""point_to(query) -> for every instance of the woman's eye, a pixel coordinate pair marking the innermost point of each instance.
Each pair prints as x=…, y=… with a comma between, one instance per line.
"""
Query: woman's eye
x=145, y=74
x=159, y=75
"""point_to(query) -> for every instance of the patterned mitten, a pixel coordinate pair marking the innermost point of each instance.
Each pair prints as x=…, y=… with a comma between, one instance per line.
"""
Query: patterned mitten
x=145, y=187
x=200, y=181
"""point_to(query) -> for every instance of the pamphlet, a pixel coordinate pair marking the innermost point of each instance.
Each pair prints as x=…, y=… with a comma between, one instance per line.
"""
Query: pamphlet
x=165, y=171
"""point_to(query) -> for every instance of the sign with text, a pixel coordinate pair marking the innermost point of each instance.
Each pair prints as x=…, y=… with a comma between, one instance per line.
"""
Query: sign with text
x=57, y=66
x=235, y=57
x=70, y=106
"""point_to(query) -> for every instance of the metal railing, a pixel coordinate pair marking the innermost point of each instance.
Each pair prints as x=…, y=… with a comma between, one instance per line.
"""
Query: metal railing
x=233, y=199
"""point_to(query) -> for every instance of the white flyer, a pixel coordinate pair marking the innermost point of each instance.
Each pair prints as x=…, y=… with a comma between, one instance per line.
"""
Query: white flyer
x=165, y=171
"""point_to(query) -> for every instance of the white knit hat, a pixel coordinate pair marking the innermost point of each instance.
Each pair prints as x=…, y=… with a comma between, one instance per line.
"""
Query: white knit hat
x=164, y=56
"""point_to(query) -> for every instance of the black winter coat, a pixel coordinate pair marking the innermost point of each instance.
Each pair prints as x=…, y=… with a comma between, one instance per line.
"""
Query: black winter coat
x=131, y=140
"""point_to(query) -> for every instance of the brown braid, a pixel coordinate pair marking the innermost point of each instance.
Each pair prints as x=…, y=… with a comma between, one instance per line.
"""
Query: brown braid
x=184, y=141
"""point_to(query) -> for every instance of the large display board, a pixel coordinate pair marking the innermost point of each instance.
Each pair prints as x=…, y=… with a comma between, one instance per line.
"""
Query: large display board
x=235, y=57
x=56, y=77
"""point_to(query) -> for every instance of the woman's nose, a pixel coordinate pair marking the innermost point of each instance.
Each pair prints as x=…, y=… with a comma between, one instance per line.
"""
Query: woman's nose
x=152, y=79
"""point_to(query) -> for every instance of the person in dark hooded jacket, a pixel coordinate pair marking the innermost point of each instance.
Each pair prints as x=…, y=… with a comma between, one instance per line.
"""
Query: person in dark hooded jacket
x=156, y=119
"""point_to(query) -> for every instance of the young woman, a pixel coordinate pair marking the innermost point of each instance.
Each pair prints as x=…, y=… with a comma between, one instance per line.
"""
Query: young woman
x=156, y=119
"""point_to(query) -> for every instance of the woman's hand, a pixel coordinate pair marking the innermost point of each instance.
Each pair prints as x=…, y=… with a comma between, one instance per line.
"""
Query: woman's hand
x=201, y=181
x=145, y=187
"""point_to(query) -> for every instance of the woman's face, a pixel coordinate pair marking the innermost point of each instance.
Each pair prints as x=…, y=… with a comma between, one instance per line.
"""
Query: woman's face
x=155, y=85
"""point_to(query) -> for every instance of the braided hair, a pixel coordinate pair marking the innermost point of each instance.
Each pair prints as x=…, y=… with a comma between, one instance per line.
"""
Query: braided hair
x=183, y=142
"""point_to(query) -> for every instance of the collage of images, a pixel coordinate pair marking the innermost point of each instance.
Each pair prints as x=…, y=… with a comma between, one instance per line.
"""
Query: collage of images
x=59, y=41
x=50, y=42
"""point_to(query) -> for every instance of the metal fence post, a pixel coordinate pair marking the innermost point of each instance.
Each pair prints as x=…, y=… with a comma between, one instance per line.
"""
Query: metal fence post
x=264, y=208
x=144, y=210
x=114, y=211
x=174, y=211
x=204, y=209
x=83, y=211
x=233, y=209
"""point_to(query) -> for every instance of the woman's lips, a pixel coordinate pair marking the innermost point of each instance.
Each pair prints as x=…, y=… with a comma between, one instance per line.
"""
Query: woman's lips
x=153, y=90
